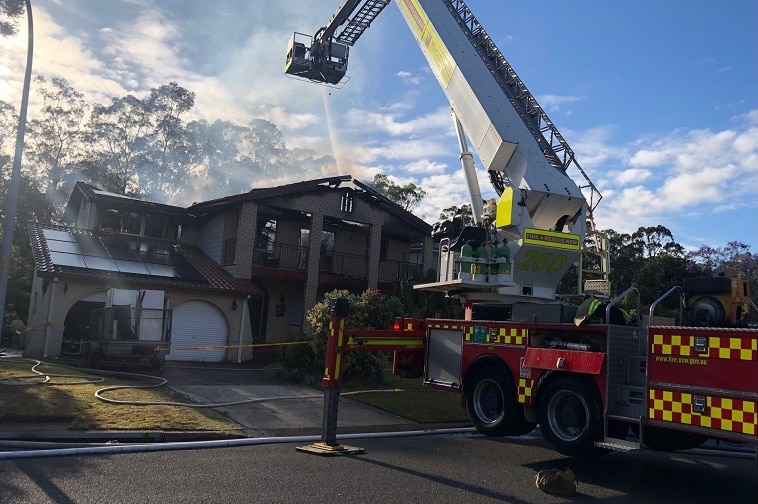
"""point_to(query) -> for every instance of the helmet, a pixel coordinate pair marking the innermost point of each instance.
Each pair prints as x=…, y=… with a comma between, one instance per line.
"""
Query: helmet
x=11, y=306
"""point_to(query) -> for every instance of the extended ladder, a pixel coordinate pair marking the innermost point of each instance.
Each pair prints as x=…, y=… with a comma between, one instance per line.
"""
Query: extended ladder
x=362, y=19
x=555, y=148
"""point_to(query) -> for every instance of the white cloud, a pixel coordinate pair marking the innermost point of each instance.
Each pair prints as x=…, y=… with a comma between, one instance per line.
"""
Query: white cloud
x=409, y=78
x=632, y=176
x=437, y=122
x=557, y=102
x=686, y=173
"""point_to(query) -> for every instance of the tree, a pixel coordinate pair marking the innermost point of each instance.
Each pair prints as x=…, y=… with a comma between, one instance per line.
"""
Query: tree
x=626, y=255
x=8, y=123
x=120, y=136
x=463, y=212
x=656, y=240
x=263, y=148
x=407, y=196
x=10, y=11
x=658, y=275
x=32, y=205
x=734, y=258
x=56, y=139
x=170, y=153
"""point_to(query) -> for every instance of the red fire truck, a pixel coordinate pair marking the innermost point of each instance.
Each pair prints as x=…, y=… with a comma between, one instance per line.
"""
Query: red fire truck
x=593, y=385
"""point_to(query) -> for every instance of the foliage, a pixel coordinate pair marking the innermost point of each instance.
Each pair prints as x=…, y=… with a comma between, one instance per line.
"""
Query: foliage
x=423, y=304
x=407, y=196
x=734, y=258
x=463, y=212
x=10, y=11
x=55, y=140
x=368, y=310
x=31, y=207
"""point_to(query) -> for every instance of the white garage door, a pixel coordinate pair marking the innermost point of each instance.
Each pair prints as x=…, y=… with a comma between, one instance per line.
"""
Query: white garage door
x=198, y=324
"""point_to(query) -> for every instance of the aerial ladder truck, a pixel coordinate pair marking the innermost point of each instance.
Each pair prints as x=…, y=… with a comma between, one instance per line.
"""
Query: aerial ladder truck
x=522, y=357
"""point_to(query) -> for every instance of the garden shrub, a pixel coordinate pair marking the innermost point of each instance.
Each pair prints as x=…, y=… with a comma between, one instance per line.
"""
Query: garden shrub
x=368, y=310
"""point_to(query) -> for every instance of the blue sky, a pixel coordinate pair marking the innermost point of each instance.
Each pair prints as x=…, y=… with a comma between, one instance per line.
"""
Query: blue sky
x=656, y=98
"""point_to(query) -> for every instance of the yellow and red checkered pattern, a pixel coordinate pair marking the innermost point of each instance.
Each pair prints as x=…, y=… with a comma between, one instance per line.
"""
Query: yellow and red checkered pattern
x=504, y=335
x=718, y=347
x=721, y=413
x=525, y=386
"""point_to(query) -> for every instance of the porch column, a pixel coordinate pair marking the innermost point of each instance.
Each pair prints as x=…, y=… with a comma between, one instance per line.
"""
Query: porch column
x=314, y=259
x=374, y=253
x=246, y=229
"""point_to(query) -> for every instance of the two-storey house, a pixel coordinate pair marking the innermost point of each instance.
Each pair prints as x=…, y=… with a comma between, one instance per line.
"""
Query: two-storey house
x=235, y=271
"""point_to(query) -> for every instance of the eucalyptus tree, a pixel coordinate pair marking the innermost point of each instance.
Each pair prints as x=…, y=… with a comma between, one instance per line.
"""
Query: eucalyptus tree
x=463, y=212
x=169, y=154
x=215, y=157
x=55, y=140
x=120, y=136
x=8, y=124
x=263, y=149
x=10, y=12
x=407, y=196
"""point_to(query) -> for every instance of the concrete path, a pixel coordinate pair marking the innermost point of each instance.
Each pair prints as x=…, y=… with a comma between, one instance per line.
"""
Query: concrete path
x=279, y=408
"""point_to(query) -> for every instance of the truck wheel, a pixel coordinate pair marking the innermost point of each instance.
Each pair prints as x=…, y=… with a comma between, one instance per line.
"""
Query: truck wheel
x=570, y=416
x=491, y=404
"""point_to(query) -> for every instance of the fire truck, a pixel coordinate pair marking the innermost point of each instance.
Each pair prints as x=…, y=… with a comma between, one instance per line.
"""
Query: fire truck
x=524, y=356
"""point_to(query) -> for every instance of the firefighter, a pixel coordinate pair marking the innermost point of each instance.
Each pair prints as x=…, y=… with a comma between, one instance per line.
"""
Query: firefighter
x=592, y=309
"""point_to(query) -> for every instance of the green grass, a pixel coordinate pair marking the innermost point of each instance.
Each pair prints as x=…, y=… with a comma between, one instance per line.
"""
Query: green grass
x=410, y=399
x=75, y=407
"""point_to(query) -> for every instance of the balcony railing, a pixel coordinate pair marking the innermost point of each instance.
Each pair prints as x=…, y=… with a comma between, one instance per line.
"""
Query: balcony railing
x=347, y=265
x=281, y=256
x=295, y=258
x=399, y=271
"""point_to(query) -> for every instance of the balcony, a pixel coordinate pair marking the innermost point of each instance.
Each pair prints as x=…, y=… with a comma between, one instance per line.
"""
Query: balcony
x=281, y=257
x=289, y=262
x=399, y=271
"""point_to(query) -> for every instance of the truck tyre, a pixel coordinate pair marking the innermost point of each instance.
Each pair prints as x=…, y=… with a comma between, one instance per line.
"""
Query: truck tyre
x=570, y=416
x=491, y=404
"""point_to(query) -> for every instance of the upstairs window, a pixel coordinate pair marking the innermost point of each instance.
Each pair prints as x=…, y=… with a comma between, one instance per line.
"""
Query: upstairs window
x=346, y=203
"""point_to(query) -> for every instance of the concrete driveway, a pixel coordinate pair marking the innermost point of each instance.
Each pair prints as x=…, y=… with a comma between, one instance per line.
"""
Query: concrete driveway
x=280, y=408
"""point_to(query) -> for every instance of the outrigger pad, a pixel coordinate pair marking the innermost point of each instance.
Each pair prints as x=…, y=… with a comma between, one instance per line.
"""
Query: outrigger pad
x=326, y=450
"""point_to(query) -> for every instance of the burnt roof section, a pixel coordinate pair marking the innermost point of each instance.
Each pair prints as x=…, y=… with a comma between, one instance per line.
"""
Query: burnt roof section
x=192, y=268
x=106, y=199
x=360, y=190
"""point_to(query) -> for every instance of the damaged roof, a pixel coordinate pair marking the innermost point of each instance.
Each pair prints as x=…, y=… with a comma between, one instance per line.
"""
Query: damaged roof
x=360, y=189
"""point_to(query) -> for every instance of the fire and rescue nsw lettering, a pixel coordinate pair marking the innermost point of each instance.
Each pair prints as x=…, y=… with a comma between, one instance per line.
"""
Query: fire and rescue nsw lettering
x=672, y=359
x=552, y=239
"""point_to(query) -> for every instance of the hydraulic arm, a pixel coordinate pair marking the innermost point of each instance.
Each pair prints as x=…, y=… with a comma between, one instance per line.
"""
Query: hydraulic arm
x=541, y=213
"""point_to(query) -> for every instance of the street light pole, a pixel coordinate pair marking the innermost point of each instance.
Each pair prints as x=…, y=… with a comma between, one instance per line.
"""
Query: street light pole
x=10, y=204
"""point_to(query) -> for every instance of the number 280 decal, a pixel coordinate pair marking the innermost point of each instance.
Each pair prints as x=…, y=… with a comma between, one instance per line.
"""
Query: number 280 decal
x=547, y=261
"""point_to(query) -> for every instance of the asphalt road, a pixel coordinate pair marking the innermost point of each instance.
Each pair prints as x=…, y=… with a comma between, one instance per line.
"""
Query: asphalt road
x=435, y=469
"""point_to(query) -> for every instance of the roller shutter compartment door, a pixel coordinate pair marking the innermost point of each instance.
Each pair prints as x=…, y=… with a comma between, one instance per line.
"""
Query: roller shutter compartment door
x=198, y=324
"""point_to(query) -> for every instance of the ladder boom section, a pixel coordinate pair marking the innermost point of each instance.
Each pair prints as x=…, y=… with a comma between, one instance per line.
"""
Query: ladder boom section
x=552, y=144
x=362, y=19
